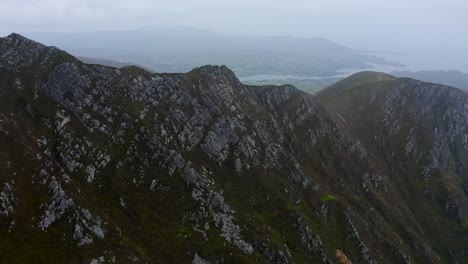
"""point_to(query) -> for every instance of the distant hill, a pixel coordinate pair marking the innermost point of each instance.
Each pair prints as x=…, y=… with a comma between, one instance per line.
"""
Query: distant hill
x=110, y=63
x=354, y=81
x=310, y=86
x=181, y=49
x=451, y=78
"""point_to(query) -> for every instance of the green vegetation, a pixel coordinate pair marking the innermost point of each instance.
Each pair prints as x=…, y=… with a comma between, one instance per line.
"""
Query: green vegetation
x=328, y=197
x=463, y=227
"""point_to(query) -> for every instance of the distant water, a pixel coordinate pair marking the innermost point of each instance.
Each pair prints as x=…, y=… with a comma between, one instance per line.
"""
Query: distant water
x=374, y=67
x=415, y=61
x=343, y=73
x=264, y=77
x=423, y=61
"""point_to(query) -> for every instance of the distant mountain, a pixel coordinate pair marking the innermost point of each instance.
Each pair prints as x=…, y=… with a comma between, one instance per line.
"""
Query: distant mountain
x=310, y=86
x=181, y=49
x=110, y=63
x=451, y=78
x=100, y=164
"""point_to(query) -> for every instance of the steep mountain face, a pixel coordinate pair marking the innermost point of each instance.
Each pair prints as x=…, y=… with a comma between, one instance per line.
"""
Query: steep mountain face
x=122, y=165
x=419, y=132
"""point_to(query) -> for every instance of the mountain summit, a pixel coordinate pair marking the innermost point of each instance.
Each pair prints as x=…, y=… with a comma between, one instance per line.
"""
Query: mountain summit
x=123, y=165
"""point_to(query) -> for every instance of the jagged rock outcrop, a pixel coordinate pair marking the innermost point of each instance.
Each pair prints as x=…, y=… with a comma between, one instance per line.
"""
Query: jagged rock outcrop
x=123, y=165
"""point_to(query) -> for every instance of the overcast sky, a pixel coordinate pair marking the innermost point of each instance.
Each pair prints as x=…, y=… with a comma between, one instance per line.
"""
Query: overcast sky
x=436, y=27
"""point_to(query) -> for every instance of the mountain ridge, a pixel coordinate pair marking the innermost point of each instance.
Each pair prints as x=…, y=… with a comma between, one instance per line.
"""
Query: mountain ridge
x=124, y=165
x=406, y=121
x=451, y=78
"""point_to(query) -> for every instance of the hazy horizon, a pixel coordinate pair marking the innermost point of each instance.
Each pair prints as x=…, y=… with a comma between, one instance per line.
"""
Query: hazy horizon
x=431, y=33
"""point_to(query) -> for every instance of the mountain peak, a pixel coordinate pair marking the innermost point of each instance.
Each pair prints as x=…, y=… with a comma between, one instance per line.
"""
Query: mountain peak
x=215, y=71
x=355, y=80
x=18, y=51
x=17, y=40
x=221, y=69
x=372, y=76
x=15, y=35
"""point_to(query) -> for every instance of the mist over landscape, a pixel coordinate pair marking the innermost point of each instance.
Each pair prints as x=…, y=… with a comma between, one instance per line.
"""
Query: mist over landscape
x=308, y=63
x=284, y=40
x=417, y=27
x=222, y=131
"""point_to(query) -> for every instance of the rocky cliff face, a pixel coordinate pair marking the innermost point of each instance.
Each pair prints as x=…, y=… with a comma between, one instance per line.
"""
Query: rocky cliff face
x=122, y=165
x=419, y=132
